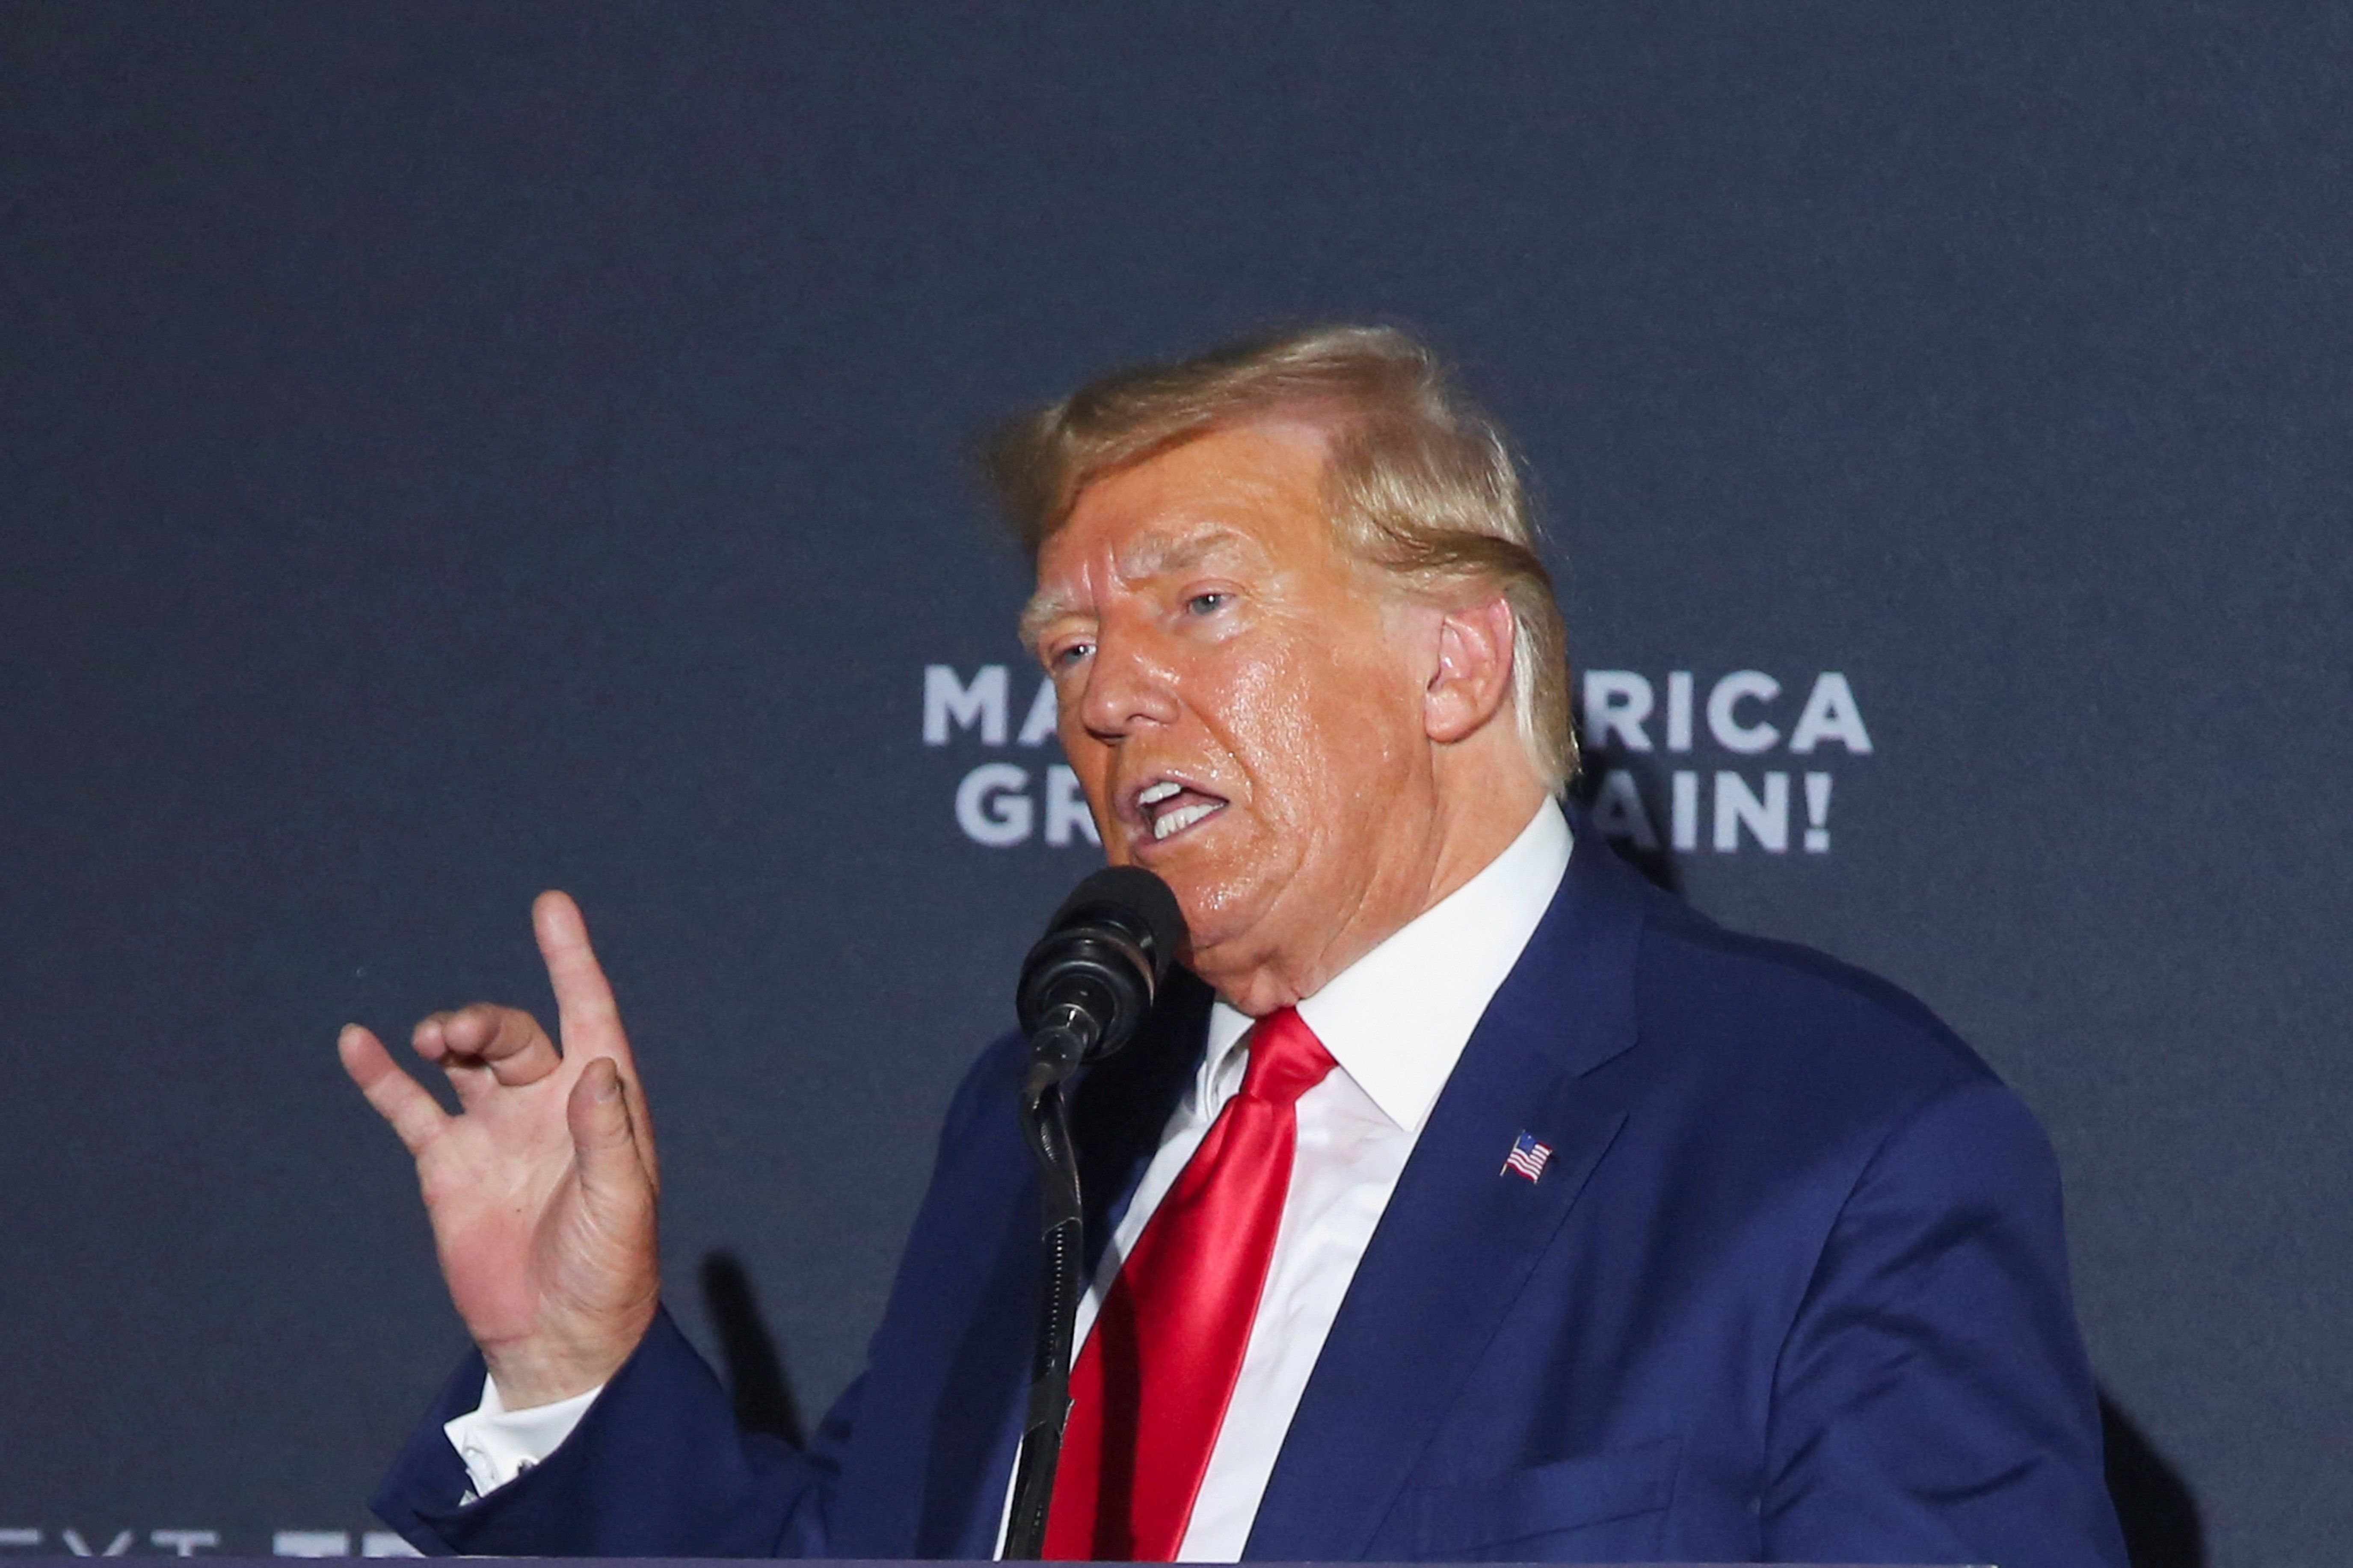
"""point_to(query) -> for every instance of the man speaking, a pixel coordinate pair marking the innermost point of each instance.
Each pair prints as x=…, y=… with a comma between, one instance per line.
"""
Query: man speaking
x=1479, y=1202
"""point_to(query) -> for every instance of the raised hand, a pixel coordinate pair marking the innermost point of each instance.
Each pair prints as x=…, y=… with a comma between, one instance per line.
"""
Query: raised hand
x=541, y=1191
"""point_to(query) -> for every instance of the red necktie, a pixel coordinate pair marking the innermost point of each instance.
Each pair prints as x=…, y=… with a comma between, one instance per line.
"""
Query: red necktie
x=1151, y=1386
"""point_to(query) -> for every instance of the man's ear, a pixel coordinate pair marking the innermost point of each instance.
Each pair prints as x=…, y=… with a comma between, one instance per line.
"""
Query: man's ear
x=1474, y=677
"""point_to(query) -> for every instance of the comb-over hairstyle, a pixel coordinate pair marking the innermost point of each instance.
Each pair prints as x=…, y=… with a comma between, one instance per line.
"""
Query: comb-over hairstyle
x=1419, y=484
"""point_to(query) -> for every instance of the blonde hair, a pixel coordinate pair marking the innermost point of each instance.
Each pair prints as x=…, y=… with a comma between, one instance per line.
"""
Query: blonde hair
x=1417, y=484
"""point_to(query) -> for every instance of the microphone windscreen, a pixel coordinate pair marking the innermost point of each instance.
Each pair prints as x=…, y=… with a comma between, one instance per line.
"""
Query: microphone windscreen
x=1139, y=901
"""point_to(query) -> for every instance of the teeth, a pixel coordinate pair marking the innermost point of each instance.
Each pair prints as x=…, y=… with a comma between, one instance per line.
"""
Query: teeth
x=1158, y=793
x=1180, y=819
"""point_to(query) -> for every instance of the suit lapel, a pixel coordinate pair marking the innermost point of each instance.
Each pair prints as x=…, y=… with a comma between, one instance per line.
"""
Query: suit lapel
x=1460, y=1236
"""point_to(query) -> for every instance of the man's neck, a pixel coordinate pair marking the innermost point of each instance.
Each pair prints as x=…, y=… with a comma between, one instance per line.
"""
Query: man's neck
x=1484, y=823
x=1397, y=1017
x=1469, y=830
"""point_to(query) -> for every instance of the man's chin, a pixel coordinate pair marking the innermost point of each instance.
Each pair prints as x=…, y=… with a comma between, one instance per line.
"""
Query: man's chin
x=1223, y=941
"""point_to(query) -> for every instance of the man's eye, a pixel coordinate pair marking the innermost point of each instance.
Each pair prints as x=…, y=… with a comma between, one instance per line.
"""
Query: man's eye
x=1206, y=603
x=1071, y=653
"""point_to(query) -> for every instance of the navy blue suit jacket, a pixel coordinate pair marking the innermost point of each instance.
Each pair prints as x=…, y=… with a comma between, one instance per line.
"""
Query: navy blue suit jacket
x=1792, y=1287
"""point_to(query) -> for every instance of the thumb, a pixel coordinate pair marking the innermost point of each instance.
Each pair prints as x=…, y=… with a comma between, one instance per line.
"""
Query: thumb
x=603, y=1140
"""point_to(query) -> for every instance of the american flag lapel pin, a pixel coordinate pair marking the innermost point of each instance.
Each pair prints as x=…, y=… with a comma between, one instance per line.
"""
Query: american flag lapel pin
x=1526, y=1159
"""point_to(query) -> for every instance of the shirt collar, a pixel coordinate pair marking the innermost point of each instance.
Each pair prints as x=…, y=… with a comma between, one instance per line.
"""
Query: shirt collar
x=1397, y=1018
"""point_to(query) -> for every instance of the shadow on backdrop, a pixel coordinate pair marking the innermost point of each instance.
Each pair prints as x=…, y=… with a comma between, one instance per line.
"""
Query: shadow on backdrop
x=2161, y=1518
x=756, y=1372
x=1636, y=829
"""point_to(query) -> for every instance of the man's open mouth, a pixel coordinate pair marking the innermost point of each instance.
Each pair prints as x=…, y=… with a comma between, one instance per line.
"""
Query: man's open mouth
x=1169, y=807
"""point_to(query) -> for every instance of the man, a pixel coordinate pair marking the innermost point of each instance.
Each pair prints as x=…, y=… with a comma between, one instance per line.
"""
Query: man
x=1479, y=1202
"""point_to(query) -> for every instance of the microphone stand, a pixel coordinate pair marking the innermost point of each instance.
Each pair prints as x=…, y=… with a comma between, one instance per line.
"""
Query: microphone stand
x=1046, y=1123
x=1084, y=989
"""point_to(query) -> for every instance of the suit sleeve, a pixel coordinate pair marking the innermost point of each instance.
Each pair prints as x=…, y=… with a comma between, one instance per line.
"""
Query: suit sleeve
x=656, y=1467
x=1933, y=1399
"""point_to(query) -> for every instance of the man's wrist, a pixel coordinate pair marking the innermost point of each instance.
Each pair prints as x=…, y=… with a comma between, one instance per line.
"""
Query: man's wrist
x=548, y=1371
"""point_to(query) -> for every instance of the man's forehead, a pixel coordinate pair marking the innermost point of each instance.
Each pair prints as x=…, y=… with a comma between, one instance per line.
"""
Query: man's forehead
x=1224, y=495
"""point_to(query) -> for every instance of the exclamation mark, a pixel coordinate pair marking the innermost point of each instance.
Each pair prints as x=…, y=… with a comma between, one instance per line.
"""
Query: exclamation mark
x=1818, y=814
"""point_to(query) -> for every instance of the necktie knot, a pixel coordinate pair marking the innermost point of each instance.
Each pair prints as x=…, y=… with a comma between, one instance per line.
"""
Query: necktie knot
x=1286, y=1059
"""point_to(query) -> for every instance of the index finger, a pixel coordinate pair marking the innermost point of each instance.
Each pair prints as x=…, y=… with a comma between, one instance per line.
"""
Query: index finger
x=586, y=1017
x=399, y=1098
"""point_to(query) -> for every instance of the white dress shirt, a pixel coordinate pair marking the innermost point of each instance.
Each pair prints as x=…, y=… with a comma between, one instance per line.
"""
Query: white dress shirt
x=1395, y=1021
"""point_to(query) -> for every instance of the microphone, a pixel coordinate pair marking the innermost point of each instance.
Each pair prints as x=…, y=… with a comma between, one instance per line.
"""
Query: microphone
x=1084, y=988
x=1092, y=977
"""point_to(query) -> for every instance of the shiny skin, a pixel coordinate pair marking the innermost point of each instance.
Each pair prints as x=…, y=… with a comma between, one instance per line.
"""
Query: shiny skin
x=1201, y=623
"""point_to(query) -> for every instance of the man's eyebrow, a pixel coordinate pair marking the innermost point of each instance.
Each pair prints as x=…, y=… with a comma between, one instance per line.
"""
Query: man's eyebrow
x=1153, y=558
x=1175, y=552
x=1042, y=611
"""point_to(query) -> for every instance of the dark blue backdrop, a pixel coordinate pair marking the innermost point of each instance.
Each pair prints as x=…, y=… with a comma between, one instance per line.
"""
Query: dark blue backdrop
x=450, y=450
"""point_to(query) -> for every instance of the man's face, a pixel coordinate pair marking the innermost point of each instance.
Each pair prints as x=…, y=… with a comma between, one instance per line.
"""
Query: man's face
x=1242, y=704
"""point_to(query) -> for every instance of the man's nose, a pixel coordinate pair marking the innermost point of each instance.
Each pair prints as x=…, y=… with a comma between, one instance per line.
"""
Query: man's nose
x=1129, y=683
